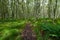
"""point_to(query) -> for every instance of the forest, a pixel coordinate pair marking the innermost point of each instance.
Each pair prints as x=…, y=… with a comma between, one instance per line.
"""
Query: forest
x=41, y=17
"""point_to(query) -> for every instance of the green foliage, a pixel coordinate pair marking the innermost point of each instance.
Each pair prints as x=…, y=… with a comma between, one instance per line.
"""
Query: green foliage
x=11, y=30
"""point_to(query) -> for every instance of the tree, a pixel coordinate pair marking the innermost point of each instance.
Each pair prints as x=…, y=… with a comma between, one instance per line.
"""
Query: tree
x=49, y=8
x=37, y=8
x=55, y=8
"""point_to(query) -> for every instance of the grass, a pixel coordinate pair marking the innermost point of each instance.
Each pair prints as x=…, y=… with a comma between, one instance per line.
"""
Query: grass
x=11, y=30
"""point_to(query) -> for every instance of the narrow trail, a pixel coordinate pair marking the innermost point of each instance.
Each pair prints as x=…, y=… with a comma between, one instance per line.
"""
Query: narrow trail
x=28, y=34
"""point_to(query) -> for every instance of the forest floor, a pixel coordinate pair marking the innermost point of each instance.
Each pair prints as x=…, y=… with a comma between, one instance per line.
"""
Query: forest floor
x=11, y=30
